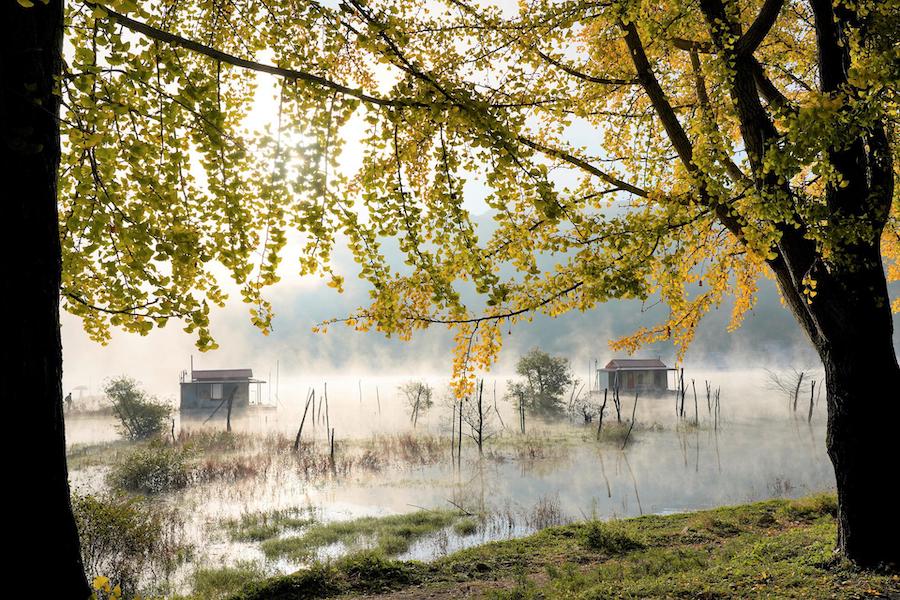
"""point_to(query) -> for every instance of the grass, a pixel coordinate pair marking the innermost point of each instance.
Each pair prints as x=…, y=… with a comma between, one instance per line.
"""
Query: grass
x=608, y=538
x=364, y=572
x=223, y=582
x=83, y=456
x=151, y=469
x=390, y=535
x=466, y=526
x=261, y=526
x=158, y=467
x=772, y=549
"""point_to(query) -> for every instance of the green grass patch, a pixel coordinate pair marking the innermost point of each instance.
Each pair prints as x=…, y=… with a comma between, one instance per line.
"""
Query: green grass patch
x=773, y=549
x=608, y=538
x=365, y=572
x=223, y=582
x=466, y=526
x=264, y=525
x=810, y=508
x=391, y=535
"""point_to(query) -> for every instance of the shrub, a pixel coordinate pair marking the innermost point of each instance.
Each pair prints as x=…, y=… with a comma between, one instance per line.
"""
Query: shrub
x=140, y=416
x=151, y=470
x=127, y=540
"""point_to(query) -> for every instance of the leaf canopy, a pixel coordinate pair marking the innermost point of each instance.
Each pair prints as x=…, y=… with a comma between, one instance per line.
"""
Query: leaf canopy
x=617, y=145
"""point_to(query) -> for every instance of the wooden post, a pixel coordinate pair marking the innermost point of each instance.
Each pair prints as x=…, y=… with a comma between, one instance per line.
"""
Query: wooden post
x=631, y=426
x=453, y=435
x=797, y=391
x=228, y=414
x=716, y=409
x=812, y=393
x=696, y=414
x=300, y=431
x=319, y=414
x=617, y=400
x=480, y=418
x=459, y=438
x=602, y=409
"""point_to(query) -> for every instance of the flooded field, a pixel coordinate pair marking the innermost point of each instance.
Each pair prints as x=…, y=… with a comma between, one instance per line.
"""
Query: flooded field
x=251, y=499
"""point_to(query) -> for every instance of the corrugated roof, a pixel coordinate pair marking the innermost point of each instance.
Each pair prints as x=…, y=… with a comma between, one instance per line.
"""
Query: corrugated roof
x=635, y=363
x=222, y=374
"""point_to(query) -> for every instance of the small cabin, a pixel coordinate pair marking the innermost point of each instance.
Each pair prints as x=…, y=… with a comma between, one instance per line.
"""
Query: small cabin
x=634, y=375
x=210, y=388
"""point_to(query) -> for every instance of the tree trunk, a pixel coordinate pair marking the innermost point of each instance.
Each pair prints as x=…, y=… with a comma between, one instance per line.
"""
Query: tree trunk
x=849, y=322
x=29, y=138
x=863, y=446
x=863, y=393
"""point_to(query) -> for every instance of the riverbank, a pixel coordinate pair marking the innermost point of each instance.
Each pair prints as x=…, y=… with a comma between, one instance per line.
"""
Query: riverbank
x=771, y=549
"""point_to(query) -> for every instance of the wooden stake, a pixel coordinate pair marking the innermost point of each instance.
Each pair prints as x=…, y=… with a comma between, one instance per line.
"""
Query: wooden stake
x=630, y=427
x=300, y=431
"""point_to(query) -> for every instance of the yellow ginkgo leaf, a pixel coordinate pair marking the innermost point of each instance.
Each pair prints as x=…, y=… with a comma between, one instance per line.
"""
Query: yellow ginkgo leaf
x=101, y=583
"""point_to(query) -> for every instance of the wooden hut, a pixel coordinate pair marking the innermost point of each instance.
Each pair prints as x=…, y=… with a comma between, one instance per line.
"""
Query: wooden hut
x=634, y=375
x=207, y=389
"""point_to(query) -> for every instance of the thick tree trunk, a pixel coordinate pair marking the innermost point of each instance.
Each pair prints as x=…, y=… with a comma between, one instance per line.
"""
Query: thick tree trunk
x=863, y=386
x=29, y=152
x=864, y=447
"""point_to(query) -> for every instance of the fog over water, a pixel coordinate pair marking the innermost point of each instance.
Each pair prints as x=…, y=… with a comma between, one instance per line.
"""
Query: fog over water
x=556, y=473
x=760, y=449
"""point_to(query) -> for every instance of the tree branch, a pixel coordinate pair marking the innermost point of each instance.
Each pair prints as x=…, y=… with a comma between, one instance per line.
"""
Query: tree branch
x=585, y=166
x=750, y=41
x=243, y=63
x=582, y=75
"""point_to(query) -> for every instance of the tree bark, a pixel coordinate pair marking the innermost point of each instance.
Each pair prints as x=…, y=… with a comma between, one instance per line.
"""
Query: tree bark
x=862, y=379
x=29, y=152
x=848, y=320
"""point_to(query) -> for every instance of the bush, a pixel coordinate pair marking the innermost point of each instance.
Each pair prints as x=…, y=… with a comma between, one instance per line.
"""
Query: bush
x=140, y=416
x=151, y=470
x=127, y=540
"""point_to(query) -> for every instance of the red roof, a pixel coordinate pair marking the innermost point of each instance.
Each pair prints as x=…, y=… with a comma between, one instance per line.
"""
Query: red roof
x=222, y=375
x=635, y=363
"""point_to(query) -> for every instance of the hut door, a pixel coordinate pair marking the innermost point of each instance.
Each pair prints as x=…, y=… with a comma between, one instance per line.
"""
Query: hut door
x=629, y=381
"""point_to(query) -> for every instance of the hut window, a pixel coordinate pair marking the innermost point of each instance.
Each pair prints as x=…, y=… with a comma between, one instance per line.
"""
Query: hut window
x=216, y=391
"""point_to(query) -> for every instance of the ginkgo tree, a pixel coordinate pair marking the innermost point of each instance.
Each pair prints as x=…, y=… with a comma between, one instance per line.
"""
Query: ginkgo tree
x=676, y=150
